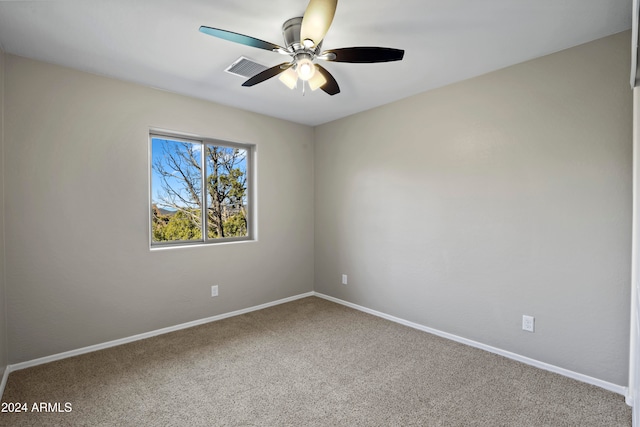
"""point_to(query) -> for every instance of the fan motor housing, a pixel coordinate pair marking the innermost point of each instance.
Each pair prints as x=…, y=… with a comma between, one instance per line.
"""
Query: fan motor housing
x=291, y=35
x=291, y=32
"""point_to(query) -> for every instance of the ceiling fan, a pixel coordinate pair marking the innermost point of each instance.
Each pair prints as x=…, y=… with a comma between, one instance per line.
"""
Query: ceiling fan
x=303, y=39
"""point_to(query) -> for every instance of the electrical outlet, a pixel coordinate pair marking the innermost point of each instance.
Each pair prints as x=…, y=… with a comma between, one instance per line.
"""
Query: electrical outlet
x=214, y=291
x=528, y=323
x=344, y=279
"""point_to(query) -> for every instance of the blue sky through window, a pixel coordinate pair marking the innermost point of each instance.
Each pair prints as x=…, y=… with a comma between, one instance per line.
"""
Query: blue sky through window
x=165, y=152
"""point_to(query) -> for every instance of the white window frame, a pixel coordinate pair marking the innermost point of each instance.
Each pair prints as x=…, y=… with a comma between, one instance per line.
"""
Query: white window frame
x=204, y=141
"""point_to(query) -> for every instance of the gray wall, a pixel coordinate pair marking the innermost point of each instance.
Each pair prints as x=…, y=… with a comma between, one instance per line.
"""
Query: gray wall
x=465, y=207
x=461, y=209
x=3, y=312
x=79, y=270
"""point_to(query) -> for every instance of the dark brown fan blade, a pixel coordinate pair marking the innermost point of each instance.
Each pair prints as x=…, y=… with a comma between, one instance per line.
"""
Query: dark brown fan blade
x=267, y=74
x=331, y=86
x=364, y=54
x=240, y=38
x=316, y=20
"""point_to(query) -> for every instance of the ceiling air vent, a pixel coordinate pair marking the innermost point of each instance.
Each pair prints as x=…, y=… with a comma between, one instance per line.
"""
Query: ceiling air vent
x=244, y=67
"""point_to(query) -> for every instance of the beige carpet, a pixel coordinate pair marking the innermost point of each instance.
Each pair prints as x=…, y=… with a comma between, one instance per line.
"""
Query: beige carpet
x=306, y=363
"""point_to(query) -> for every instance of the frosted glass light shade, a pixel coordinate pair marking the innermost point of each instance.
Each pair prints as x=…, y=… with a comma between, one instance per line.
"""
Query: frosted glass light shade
x=305, y=69
x=317, y=81
x=289, y=78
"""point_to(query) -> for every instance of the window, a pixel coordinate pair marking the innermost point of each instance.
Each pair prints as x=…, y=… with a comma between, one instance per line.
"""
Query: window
x=200, y=190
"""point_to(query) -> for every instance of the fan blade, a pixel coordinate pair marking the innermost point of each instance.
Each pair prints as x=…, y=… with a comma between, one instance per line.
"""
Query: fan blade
x=267, y=74
x=240, y=38
x=331, y=86
x=363, y=54
x=316, y=21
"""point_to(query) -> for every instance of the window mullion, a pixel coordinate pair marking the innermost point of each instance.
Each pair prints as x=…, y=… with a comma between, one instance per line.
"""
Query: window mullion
x=203, y=194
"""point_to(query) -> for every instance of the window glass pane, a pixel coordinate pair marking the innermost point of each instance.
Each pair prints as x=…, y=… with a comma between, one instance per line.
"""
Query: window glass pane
x=176, y=190
x=226, y=191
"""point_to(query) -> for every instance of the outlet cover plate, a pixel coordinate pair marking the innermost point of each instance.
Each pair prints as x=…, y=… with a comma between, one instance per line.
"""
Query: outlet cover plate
x=214, y=291
x=528, y=323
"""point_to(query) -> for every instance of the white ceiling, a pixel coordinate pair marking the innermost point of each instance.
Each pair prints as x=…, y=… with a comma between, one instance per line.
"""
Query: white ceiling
x=157, y=43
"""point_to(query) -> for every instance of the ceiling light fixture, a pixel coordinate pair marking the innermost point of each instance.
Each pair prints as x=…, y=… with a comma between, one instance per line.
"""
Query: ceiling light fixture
x=290, y=77
x=303, y=37
x=305, y=67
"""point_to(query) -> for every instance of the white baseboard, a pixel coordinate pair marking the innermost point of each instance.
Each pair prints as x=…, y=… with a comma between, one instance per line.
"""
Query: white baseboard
x=3, y=383
x=567, y=373
x=538, y=364
x=108, y=344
